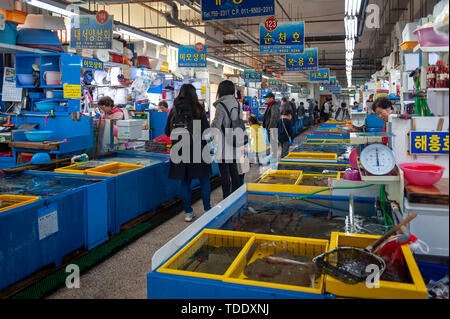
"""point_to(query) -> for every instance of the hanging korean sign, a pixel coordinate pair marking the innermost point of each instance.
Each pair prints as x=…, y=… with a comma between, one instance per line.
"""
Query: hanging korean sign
x=252, y=76
x=92, y=64
x=234, y=9
x=429, y=143
x=280, y=38
x=296, y=90
x=192, y=56
x=91, y=32
x=306, y=61
x=320, y=75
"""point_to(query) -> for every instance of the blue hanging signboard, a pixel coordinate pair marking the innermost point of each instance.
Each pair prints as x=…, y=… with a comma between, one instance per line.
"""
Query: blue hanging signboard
x=92, y=64
x=281, y=38
x=234, y=9
x=307, y=61
x=320, y=75
x=91, y=32
x=296, y=90
x=192, y=57
x=252, y=76
x=429, y=143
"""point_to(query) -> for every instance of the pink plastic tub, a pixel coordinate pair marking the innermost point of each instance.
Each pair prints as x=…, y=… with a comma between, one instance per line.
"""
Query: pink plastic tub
x=353, y=159
x=422, y=174
x=428, y=38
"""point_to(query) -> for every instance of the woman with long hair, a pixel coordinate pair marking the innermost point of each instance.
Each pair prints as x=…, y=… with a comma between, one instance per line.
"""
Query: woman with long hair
x=185, y=111
x=227, y=110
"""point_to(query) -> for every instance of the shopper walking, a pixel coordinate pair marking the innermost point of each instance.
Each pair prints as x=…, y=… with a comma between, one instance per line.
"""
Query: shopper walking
x=228, y=109
x=327, y=109
x=285, y=132
x=272, y=114
x=258, y=143
x=185, y=111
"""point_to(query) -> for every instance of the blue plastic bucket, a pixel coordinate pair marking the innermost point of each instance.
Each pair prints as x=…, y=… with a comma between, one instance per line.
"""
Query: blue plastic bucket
x=9, y=34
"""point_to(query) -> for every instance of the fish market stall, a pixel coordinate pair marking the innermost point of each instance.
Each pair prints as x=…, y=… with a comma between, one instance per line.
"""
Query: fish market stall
x=266, y=218
x=66, y=213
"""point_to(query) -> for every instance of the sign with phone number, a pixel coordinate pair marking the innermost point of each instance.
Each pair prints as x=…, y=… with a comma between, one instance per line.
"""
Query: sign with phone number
x=234, y=9
x=87, y=33
x=306, y=61
x=429, y=143
x=189, y=57
x=90, y=64
x=320, y=75
x=287, y=37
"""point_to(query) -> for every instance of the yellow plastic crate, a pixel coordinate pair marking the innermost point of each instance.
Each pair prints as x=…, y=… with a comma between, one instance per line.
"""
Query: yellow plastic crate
x=270, y=177
x=80, y=168
x=8, y=202
x=387, y=289
x=318, y=156
x=210, y=237
x=113, y=169
x=269, y=245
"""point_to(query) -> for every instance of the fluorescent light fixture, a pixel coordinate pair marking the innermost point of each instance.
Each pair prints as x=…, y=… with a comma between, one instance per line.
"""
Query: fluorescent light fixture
x=51, y=8
x=213, y=60
x=265, y=77
x=358, y=7
x=140, y=37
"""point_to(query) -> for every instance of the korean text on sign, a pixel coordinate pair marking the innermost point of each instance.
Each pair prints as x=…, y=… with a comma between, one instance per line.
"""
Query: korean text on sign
x=189, y=57
x=252, y=76
x=320, y=75
x=233, y=9
x=429, y=143
x=91, y=64
x=288, y=37
x=306, y=61
x=87, y=33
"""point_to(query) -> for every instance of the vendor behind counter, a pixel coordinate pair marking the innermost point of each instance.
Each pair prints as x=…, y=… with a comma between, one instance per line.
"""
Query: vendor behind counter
x=111, y=111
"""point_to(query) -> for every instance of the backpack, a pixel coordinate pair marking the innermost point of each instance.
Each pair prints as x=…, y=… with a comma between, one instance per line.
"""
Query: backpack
x=239, y=123
x=340, y=114
x=182, y=119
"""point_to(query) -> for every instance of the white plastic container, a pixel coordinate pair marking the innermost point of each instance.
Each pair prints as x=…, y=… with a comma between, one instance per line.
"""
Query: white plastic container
x=408, y=34
x=129, y=129
x=431, y=225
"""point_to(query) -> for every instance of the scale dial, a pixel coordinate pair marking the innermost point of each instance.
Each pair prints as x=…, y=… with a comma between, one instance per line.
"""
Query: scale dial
x=358, y=119
x=377, y=159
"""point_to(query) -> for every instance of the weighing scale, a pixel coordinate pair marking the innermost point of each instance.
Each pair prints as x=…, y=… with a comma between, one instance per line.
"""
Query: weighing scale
x=358, y=119
x=377, y=159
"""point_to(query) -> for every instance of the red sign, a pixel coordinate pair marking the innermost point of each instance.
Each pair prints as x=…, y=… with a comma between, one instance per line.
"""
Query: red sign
x=199, y=47
x=102, y=17
x=279, y=78
x=257, y=70
x=271, y=24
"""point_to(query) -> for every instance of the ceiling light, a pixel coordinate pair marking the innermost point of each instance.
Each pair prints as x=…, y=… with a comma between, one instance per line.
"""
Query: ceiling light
x=52, y=8
x=140, y=37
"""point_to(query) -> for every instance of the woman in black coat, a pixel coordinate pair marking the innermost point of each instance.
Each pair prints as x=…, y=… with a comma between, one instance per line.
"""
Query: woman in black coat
x=189, y=116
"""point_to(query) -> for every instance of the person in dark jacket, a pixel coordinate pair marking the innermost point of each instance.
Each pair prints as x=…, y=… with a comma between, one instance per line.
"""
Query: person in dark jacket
x=272, y=114
x=285, y=131
x=194, y=168
x=310, y=111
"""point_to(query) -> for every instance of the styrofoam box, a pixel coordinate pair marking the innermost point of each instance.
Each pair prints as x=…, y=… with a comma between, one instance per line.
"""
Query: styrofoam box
x=408, y=34
x=431, y=226
x=129, y=129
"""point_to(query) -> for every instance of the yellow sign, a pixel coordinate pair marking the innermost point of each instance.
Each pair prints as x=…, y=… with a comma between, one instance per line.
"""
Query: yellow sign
x=203, y=89
x=72, y=91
